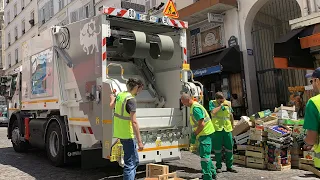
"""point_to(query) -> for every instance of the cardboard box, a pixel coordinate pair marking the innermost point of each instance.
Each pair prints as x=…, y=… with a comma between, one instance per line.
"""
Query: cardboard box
x=243, y=126
x=308, y=155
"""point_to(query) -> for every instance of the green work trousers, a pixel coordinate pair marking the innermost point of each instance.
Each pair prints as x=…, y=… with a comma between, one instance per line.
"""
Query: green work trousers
x=219, y=139
x=205, y=148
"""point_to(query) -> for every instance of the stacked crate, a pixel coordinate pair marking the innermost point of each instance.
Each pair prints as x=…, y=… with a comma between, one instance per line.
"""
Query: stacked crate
x=241, y=140
x=278, y=145
x=255, y=151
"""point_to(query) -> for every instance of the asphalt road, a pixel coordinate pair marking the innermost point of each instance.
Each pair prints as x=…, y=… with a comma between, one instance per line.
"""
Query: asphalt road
x=34, y=165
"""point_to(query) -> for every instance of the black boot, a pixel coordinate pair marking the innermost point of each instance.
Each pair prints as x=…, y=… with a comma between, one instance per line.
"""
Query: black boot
x=232, y=170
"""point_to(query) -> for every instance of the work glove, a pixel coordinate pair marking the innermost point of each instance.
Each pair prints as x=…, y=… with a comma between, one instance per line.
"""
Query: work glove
x=225, y=104
x=193, y=138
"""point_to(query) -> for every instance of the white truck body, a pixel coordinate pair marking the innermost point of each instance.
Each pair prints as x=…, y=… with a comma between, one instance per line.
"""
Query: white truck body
x=68, y=74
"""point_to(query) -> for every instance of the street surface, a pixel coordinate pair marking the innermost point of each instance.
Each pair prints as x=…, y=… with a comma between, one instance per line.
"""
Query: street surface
x=34, y=165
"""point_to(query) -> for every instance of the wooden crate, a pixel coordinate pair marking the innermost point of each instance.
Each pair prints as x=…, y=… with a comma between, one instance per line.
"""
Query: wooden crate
x=308, y=165
x=169, y=176
x=274, y=167
x=257, y=163
x=155, y=170
x=258, y=152
x=239, y=159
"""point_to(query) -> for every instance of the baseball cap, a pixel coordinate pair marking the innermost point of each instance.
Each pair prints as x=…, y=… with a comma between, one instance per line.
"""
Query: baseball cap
x=315, y=74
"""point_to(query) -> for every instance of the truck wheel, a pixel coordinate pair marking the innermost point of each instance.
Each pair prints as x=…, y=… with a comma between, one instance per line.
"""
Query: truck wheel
x=55, y=150
x=18, y=145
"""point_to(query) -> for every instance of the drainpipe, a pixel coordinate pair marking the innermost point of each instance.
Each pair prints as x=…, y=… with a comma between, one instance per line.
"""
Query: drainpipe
x=312, y=7
x=239, y=27
x=305, y=9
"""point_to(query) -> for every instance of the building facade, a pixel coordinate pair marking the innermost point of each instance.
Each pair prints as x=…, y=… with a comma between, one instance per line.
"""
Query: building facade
x=1, y=35
x=21, y=21
x=255, y=28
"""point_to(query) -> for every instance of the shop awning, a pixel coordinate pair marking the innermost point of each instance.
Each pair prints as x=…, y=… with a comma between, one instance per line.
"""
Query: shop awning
x=288, y=53
x=224, y=60
x=199, y=10
x=310, y=36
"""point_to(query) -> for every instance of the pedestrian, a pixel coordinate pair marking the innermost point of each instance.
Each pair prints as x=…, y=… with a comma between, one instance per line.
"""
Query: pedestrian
x=222, y=120
x=312, y=118
x=202, y=131
x=126, y=126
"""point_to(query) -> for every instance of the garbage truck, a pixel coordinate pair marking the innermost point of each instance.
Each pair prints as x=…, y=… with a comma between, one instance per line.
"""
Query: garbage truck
x=59, y=98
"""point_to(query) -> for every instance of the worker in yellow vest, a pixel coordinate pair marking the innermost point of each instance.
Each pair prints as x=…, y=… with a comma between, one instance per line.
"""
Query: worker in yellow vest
x=312, y=119
x=222, y=120
x=125, y=126
x=202, y=131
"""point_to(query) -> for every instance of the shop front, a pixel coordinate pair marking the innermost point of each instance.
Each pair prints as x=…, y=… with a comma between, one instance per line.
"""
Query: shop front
x=221, y=70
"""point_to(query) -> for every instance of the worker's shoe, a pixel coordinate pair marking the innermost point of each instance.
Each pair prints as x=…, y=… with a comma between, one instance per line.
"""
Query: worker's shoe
x=214, y=176
x=232, y=170
x=219, y=171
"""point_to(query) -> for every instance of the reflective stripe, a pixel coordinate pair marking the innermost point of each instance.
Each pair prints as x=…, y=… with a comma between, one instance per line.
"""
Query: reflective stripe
x=217, y=151
x=121, y=116
x=227, y=150
x=222, y=118
x=205, y=159
x=206, y=119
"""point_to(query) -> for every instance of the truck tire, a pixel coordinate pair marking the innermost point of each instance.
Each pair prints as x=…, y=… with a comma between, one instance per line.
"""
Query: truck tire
x=54, y=147
x=18, y=145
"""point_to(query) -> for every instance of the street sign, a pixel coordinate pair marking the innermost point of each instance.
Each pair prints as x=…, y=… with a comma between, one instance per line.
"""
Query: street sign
x=170, y=10
x=217, y=18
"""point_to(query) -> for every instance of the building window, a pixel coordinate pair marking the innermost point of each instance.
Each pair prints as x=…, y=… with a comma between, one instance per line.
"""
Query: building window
x=23, y=26
x=9, y=60
x=43, y=15
x=16, y=33
x=87, y=10
x=17, y=55
x=61, y=4
x=15, y=11
x=9, y=39
x=22, y=4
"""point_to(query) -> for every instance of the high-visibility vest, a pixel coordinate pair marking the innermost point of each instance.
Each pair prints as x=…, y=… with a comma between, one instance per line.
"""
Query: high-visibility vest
x=208, y=127
x=221, y=120
x=316, y=158
x=122, y=126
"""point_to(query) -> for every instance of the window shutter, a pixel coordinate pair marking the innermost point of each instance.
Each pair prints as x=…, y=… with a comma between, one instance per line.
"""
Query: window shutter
x=91, y=9
x=148, y=6
x=47, y=13
x=74, y=16
x=51, y=8
x=154, y=3
x=40, y=16
x=81, y=13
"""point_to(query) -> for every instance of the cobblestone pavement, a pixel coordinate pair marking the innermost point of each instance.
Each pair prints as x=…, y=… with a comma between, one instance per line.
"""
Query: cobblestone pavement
x=34, y=165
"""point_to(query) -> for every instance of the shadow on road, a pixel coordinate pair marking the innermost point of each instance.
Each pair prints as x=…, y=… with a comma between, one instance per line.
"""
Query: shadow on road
x=35, y=163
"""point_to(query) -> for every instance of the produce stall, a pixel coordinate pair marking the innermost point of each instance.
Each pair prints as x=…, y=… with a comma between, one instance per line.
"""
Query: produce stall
x=272, y=141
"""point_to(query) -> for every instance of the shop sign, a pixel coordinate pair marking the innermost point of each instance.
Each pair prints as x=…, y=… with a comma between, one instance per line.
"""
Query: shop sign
x=233, y=41
x=215, y=18
x=207, y=71
x=206, y=38
x=250, y=52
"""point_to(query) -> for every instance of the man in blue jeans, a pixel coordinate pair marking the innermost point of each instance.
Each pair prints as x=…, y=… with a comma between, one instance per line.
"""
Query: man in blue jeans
x=125, y=126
